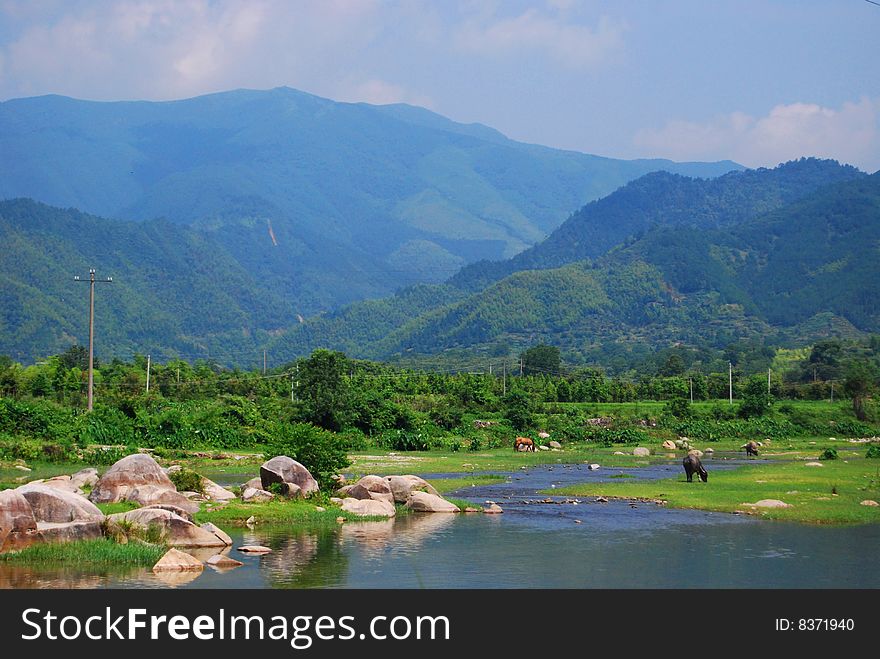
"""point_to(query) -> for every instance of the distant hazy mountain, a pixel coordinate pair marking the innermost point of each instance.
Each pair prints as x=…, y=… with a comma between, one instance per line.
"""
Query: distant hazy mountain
x=805, y=270
x=322, y=202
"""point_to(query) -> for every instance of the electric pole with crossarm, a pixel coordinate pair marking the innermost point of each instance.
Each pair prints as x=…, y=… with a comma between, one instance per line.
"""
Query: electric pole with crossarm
x=92, y=281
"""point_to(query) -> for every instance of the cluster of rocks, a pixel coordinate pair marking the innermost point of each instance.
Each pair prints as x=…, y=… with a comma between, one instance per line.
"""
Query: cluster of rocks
x=56, y=510
x=293, y=480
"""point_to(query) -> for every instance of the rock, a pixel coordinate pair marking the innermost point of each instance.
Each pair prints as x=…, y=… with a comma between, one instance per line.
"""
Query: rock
x=17, y=523
x=554, y=444
x=493, y=509
x=618, y=453
x=471, y=509
x=151, y=495
x=641, y=452
x=320, y=509
x=176, y=531
x=695, y=451
x=422, y=502
x=601, y=500
x=283, y=469
x=63, y=483
x=177, y=510
x=173, y=469
x=220, y=533
x=130, y=473
x=250, y=521
x=709, y=450
x=23, y=468
x=55, y=505
x=543, y=435
x=669, y=445
x=813, y=464
x=178, y=561
x=291, y=490
x=254, y=549
x=255, y=483
x=216, y=493
x=251, y=495
x=70, y=531
x=869, y=502
x=223, y=562
x=769, y=503
x=336, y=501
x=354, y=491
x=368, y=507
x=87, y=477
x=402, y=486
x=542, y=447
x=340, y=520
x=682, y=443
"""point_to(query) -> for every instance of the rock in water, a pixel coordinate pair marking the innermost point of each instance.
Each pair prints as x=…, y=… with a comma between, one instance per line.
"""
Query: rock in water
x=127, y=474
x=220, y=533
x=403, y=486
x=223, y=562
x=178, y=561
x=422, y=502
x=669, y=445
x=641, y=452
x=175, y=529
x=368, y=507
x=283, y=469
x=55, y=505
x=493, y=509
x=254, y=549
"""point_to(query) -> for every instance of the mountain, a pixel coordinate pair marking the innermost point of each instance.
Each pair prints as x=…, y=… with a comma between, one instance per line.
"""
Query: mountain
x=663, y=199
x=174, y=291
x=804, y=270
x=323, y=203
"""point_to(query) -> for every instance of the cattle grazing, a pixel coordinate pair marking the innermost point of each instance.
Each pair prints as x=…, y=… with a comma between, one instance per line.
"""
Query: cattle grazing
x=523, y=444
x=751, y=448
x=692, y=465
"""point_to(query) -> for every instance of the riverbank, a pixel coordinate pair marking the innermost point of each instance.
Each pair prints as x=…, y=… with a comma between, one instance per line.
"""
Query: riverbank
x=828, y=494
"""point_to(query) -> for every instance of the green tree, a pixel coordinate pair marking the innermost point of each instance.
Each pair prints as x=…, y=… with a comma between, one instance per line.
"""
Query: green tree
x=756, y=401
x=859, y=384
x=323, y=388
x=519, y=410
x=541, y=359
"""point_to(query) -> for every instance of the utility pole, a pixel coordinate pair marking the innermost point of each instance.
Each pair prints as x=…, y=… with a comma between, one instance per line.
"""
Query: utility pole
x=768, y=381
x=730, y=380
x=520, y=366
x=490, y=368
x=504, y=380
x=691, y=383
x=832, y=391
x=92, y=280
x=148, y=374
x=264, y=362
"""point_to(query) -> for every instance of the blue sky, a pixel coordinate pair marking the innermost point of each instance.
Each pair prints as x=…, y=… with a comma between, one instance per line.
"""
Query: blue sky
x=757, y=81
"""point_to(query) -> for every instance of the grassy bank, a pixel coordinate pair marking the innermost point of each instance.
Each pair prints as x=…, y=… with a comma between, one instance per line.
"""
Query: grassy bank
x=86, y=552
x=830, y=494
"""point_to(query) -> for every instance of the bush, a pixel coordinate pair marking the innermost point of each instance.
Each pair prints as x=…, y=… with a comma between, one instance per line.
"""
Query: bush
x=829, y=454
x=679, y=407
x=186, y=480
x=403, y=440
x=320, y=451
x=873, y=451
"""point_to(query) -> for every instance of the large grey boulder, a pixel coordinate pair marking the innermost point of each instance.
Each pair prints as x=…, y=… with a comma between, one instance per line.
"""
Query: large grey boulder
x=403, y=486
x=215, y=492
x=422, y=502
x=60, y=483
x=175, y=560
x=176, y=531
x=368, y=507
x=70, y=531
x=153, y=495
x=283, y=469
x=129, y=473
x=255, y=483
x=87, y=477
x=253, y=495
x=17, y=524
x=50, y=504
x=641, y=452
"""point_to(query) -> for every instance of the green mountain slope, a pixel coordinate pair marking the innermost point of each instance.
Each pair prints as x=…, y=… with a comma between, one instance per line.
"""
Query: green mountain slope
x=361, y=199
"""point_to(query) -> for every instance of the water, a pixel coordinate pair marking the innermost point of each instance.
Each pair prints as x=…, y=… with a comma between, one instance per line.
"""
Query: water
x=532, y=545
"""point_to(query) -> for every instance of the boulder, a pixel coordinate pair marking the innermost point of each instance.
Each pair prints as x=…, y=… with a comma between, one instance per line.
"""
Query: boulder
x=554, y=444
x=151, y=495
x=17, y=521
x=813, y=464
x=85, y=477
x=402, y=486
x=869, y=502
x=769, y=503
x=709, y=450
x=56, y=505
x=129, y=473
x=216, y=493
x=695, y=451
x=175, y=560
x=220, y=533
x=593, y=467
x=543, y=435
x=60, y=483
x=70, y=531
x=423, y=502
x=542, y=447
x=174, y=509
x=254, y=549
x=283, y=469
x=368, y=507
x=641, y=452
x=255, y=483
x=493, y=509
x=683, y=444
x=252, y=495
x=669, y=445
x=176, y=531
x=223, y=562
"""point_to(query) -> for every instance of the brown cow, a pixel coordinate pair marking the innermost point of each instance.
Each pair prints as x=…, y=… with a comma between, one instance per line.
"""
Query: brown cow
x=751, y=448
x=523, y=444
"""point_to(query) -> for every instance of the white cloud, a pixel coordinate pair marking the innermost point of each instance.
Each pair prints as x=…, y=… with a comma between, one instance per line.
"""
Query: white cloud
x=850, y=134
x=573, y=44
x=381, y=92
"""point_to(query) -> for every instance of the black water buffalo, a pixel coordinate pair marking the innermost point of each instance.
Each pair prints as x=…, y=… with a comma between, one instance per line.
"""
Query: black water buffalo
x=692, y=465
x=751, y=448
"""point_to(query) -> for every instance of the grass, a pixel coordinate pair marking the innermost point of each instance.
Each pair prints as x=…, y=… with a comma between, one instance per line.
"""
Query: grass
x=119, y=507
x=810, y=491
x=86, y=552
x=444, y=485
x=279, y=511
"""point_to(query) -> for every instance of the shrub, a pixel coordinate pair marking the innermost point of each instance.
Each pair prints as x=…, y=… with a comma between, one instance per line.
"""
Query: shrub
x=679, y=407
x=873, y=451
x=403, y=440
x=320, y=451
x=829, y=454
x=186, y=480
